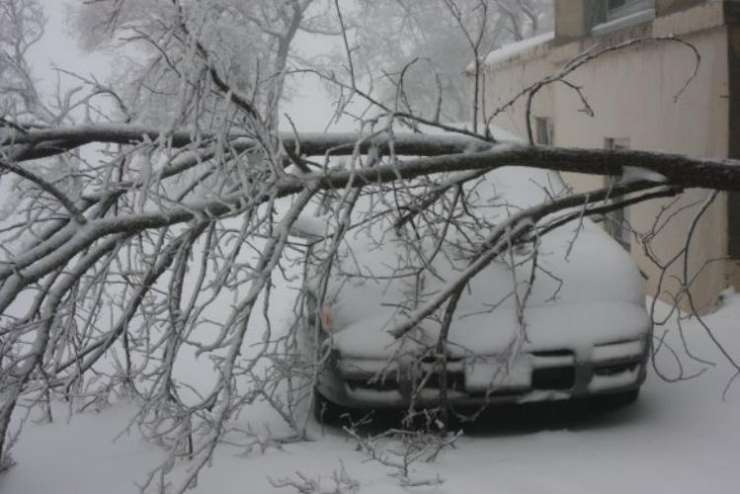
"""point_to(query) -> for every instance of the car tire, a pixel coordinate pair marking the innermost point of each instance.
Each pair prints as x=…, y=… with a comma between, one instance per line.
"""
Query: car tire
x=615, y=401
x=325, y=411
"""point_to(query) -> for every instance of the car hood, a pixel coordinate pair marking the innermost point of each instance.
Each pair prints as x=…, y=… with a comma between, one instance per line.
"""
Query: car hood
x=586, y=289
x=576, y=328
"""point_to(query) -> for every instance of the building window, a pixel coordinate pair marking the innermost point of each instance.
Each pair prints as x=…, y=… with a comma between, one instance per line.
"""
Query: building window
x=733, y=219
x=543, y=131
x=612, y=15
x=616, y=223
x=613, y=144
x=622, y=8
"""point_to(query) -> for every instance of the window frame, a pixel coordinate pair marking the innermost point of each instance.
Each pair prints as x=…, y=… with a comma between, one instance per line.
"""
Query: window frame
x=630, y=7
x=617, y=222
x=544, y=131
x=733, y=225
x=605, y=19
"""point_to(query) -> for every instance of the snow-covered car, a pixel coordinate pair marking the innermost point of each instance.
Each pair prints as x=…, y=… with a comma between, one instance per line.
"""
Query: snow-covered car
x=577, y=328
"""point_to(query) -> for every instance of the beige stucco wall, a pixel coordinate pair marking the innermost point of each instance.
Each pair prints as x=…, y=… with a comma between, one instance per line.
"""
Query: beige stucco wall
x=633, y=95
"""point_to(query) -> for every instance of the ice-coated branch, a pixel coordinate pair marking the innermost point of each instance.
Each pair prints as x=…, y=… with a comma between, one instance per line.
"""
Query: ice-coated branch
x=516, y=229
x=679, y=169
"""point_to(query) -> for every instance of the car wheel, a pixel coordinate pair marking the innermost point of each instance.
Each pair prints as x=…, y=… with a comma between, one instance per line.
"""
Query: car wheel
x=615, y=401
x=325, y=411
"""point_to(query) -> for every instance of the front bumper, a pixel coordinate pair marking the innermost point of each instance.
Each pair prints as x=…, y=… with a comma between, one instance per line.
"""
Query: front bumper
x=544, y=375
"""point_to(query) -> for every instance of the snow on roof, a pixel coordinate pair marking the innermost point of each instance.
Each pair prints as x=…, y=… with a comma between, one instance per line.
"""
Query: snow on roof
x=508, y=51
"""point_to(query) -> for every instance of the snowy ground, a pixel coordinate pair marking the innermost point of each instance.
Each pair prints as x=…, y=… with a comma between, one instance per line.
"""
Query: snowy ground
x=679, y=437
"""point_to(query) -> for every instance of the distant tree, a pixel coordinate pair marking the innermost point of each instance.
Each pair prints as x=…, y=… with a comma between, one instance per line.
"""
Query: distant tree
x=21, y=26
x=249, y=42
x=432, y=42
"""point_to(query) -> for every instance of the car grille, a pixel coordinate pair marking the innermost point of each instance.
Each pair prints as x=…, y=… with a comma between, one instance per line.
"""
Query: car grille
x=548, y=370
x=553, y=353
x=389, y=382
x=432, y=359
x=497, y=393
x=455, y=381
x=611, y=370
x=553, y=370
x=554, y=378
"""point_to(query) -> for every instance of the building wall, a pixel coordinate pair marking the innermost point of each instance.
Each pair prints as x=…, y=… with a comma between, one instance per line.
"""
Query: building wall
x=665, y=7
x=732, y=19
x=633, y=93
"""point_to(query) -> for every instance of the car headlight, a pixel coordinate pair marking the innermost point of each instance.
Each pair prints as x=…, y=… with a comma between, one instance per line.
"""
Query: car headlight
x=319, y=314
x=327, y=318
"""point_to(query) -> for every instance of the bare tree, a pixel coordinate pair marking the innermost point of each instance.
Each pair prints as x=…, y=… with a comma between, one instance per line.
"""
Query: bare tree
x=21, y=25
x=391, y=34
x=248, y=43
x=169, y=243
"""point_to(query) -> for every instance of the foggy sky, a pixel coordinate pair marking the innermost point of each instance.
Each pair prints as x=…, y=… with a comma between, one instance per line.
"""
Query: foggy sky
x=310, y=108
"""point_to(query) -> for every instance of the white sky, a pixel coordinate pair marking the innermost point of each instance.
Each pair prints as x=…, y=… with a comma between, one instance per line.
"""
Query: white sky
x=310, y=108
x=58, y=49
